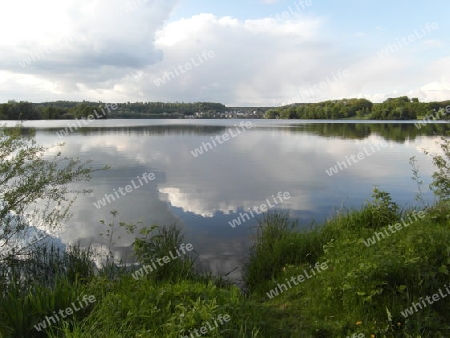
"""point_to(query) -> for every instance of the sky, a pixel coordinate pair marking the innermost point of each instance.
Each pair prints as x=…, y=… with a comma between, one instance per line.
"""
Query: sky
x=239, y=53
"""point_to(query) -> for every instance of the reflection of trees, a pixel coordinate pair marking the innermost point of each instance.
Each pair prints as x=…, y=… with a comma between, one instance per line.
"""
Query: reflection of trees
x=147, y=130
x=398, y=132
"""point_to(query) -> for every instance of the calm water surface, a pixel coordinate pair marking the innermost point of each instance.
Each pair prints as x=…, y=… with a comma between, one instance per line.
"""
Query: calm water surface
x=204, y=193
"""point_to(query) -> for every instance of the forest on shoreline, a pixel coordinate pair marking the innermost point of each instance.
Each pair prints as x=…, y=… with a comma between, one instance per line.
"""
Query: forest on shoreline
x=69, y=110
x=400, y=108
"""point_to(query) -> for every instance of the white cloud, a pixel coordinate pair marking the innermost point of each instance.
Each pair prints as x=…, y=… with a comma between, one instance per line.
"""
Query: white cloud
x=117, y=57
x=434, y=43
x=100, y=46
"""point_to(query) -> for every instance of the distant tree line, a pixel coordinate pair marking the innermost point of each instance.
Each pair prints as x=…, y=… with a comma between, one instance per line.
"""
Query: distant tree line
x=61, y=110
x=400, y=108
x=165, y=110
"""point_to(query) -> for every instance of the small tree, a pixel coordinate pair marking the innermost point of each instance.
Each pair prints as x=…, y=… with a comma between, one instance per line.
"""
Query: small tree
x=441, y=177
x=34, y=190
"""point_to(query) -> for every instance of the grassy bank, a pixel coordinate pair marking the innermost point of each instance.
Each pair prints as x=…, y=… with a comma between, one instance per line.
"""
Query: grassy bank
x=364, y=288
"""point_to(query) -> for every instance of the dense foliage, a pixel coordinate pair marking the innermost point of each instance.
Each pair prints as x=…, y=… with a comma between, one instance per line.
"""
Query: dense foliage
x=323, y=110
x=401, y=108
x=161, y=109
x=49, y=111
x=75, y=110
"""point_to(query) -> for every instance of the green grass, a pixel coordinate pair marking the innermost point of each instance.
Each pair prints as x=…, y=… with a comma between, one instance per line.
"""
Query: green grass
x=364, y=289
x=158, y=309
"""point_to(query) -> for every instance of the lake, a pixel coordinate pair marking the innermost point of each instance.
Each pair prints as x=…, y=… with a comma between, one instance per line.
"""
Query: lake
x=253, y=165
